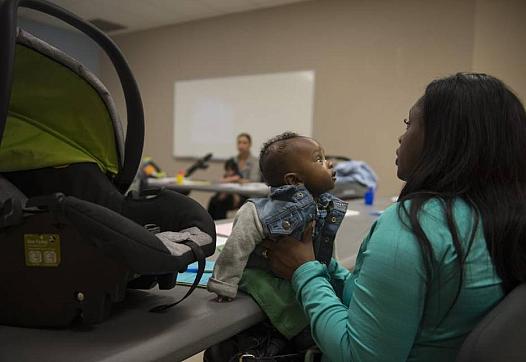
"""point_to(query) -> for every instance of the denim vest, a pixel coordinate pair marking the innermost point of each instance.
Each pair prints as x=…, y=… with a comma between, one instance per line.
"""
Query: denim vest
x=288, y=210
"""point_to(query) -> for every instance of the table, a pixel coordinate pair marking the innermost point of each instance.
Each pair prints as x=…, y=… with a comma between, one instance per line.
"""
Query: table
x=132, y=333
x=343, y=190
x=250, y=189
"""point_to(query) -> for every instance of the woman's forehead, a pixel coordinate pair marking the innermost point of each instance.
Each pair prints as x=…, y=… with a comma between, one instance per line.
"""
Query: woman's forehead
x=416, y=109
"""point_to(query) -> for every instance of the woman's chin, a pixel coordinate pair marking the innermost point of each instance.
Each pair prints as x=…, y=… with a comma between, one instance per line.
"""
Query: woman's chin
x=401, y=175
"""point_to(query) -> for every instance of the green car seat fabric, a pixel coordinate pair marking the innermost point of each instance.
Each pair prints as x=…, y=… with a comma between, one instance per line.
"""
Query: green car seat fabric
x=59, y=113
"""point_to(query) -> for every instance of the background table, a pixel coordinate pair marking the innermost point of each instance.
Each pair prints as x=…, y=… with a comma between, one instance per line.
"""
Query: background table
x=250, y=189
x=343, y=190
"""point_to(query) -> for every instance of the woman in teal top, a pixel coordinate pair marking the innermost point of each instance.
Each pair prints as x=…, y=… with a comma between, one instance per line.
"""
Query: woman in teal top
x=437, y=261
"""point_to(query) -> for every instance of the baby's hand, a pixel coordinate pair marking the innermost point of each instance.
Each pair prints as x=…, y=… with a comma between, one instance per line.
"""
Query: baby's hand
x=221, y=299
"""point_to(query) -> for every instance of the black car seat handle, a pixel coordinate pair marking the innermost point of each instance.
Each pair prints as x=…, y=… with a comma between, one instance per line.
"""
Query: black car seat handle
x=134, y=109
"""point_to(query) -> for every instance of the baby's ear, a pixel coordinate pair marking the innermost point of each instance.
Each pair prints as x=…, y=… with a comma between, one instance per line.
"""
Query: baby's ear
x=292, y=178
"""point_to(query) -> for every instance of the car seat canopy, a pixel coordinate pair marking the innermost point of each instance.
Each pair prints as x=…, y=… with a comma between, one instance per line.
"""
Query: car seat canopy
x=52, y=126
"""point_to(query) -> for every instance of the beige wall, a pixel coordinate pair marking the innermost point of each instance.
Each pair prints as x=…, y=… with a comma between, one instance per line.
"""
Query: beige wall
x=500, y=42
x=372, y=61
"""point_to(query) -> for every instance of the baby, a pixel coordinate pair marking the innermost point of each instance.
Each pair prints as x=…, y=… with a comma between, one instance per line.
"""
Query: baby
x=299, y=176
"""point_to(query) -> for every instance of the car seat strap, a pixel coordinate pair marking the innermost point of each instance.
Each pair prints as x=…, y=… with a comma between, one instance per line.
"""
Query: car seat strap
x=200, y=256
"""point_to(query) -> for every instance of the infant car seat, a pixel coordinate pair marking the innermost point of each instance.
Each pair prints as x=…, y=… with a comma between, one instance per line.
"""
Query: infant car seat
x=71, y=241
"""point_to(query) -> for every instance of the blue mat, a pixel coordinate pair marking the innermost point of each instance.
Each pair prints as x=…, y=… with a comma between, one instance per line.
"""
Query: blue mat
x=188, y=277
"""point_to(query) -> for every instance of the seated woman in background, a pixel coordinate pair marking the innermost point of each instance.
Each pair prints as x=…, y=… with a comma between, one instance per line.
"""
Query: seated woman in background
x=446, y=253
x=248, y=165
x=242, y=168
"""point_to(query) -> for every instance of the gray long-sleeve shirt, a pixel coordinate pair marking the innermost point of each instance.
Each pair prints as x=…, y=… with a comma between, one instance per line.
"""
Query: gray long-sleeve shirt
x=247, y=232
x=251, y=169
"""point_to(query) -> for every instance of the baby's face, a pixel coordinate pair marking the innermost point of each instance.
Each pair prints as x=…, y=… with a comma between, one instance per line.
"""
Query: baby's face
x=316, y=171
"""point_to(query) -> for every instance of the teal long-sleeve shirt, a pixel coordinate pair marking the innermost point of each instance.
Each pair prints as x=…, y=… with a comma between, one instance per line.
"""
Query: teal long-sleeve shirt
x=382, y=313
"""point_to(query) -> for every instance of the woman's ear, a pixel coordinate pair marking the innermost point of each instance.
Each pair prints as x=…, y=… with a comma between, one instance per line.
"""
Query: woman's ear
x=292, y=178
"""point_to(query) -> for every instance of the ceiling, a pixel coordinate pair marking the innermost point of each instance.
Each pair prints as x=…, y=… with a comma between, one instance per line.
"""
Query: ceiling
x=144, y=14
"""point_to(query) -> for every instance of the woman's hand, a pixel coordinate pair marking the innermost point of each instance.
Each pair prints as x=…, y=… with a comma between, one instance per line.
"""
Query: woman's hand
x=288, y=254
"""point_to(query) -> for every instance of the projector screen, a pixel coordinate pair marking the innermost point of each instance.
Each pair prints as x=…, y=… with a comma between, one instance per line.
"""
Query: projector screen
x=210, y=113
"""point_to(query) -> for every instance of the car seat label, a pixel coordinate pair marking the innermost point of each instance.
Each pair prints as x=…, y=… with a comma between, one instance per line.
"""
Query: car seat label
x=42, y=250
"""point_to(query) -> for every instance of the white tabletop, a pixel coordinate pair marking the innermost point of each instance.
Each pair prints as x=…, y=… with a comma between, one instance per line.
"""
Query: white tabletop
x=250, y=189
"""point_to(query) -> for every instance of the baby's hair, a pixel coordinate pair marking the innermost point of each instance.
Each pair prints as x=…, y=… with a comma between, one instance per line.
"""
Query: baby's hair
x=272, y=162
